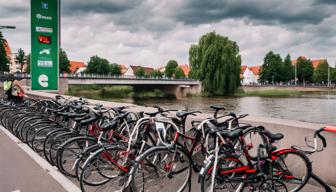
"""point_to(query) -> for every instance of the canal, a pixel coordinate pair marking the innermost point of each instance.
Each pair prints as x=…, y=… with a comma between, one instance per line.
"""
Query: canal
x=308, y=108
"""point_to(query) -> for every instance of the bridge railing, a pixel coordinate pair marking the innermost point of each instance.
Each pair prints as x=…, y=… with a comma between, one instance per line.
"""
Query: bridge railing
x=98, y=76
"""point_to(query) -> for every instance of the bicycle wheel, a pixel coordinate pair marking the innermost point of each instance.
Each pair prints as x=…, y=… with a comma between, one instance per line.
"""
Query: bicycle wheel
x=161, y=168
x=39, y=138
x=105, y=169
x=70, y=151
x=224, y=176
x=292, y=168
x=83, y=157
x=253, y=137
x=49, y=140
x=273, y=185
x=57, y=143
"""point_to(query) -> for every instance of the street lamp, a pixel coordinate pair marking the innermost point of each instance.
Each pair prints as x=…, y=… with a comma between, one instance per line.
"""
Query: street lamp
x=295, y=71
x=328, y=75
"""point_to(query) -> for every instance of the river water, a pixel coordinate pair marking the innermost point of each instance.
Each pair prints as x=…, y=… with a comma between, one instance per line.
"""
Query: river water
x=308, y=108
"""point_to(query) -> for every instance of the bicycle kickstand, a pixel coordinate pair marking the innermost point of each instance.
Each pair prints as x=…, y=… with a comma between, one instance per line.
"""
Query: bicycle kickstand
x=321, y=182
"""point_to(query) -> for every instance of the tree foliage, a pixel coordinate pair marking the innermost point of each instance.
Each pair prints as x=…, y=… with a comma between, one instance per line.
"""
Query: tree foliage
x=64, y=63
x=28, y=63
x=20, y=58
x=321, y=73
x=156, y=73
x=179, y=74
x=140, y=72
x=288, y=72
x=171, y=68
x=305, y=70
x=272, y=68
x=4, y=62
x=333, y=75
x=98, y=65
x=215, y=60
x=115, y=69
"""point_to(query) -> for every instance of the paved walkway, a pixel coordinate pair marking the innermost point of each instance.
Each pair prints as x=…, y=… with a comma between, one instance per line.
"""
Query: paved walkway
x=19, y=172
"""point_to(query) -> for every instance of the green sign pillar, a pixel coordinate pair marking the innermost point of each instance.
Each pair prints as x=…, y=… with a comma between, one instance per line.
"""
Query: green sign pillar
x=44, y=44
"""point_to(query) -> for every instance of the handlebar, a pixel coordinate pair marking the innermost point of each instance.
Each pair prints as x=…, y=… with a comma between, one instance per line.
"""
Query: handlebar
x=317, y=134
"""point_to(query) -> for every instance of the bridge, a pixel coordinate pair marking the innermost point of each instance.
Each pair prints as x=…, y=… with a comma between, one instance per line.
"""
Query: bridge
x=171, y=86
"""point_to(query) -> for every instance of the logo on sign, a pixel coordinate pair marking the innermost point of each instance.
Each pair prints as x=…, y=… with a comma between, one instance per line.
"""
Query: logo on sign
x=44, y=5
x=39, y=16
x=44, y=63
x=44, y=29
x=45, y=52
x=44, y=39
x=43, y=80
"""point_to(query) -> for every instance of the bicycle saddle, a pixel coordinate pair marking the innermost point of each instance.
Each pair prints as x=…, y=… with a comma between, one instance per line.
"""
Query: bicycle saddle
x=231, y=134
x=273, y=136
x=182, y=114
x=109, y=126
x=217, y=107
x=88, y=121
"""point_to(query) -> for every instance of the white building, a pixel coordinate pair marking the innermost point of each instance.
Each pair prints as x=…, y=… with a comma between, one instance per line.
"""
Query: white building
x=250, y=75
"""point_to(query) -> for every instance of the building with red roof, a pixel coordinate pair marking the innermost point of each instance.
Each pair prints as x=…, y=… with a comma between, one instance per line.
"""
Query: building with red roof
x=185, y=68
x=76, y=65
x=123, y=68
x=315, y=62
x=13, y=67
x=250, y=75
x=130, y=72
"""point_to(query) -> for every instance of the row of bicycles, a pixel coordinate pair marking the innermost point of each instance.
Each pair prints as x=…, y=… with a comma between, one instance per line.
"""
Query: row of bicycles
x=116, y=149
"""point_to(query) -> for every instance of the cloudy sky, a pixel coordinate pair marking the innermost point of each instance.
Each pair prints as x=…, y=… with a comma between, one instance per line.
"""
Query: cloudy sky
x=150, y=32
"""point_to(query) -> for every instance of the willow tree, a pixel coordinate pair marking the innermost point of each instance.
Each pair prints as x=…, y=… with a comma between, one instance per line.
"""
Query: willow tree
x=215, y=61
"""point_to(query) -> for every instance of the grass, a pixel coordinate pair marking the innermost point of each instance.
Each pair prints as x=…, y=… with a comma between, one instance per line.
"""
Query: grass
x=269, y=93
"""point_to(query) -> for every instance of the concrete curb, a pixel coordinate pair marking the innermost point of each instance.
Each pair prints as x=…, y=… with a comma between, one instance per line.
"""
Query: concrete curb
x=52, y=171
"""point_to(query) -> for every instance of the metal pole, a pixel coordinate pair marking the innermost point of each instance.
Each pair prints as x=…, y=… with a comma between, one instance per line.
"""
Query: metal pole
x=328, y=76
x=295, y=74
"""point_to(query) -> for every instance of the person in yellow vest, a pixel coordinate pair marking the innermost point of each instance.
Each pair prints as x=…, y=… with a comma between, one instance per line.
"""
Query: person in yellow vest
x=13, y=89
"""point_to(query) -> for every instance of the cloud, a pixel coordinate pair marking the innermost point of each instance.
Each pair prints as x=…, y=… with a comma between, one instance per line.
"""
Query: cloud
x=73, y=7
x=262, y=11
x=151, y=32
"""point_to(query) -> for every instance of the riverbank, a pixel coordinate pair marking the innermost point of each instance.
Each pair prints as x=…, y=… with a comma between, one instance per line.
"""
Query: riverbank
x=282, y=91
x=101, y=92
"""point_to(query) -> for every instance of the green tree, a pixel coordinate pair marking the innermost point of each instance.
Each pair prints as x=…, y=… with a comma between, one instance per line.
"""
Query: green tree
x=179, y=74
x=193, y=58
x=215, y=61
x=156, y=73
x=64, y=63
x=272, y=68
x=98, y=65
x=333, y=75
x=4, y=62
x=305, y=70
x=140, y=72
x=20, y=58
x=115, y=69
x=288, y=72
x=171, y=68
x=321, y=73
x=28, y=63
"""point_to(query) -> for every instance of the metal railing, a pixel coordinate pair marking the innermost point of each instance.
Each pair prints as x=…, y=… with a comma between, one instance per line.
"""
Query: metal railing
x=97, y=76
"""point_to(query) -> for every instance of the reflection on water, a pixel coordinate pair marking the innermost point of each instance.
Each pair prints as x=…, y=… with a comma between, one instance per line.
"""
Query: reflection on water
x=309, y=108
